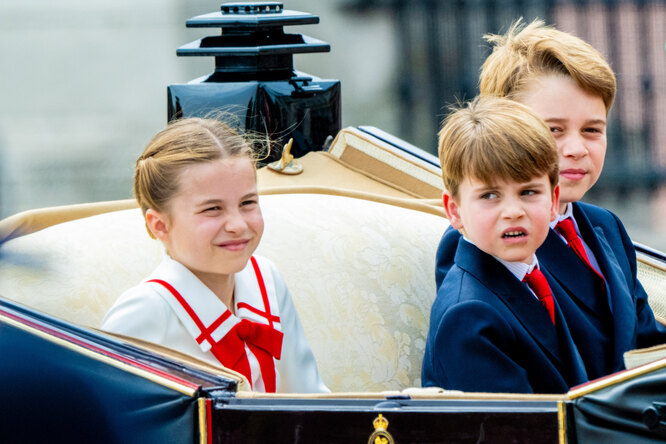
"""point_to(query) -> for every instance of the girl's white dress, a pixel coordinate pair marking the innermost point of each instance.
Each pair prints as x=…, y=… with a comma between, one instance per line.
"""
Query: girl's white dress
x=173, y=308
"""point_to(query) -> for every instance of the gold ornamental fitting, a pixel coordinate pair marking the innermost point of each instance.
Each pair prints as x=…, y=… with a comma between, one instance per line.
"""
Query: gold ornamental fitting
x=287, y=164
x=380, y=435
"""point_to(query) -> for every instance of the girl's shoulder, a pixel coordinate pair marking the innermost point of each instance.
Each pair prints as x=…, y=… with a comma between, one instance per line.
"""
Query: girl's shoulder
x=140, y=312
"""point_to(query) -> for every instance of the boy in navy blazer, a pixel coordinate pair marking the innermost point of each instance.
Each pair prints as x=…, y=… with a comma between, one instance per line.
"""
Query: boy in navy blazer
x=496, y=325
x=571, y=86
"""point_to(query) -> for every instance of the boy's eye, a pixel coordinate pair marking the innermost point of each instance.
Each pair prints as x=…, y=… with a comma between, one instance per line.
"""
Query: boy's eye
x=489, y=195
x=529, y=192
x=556, y=130
x=592, y=130
x=213, y=208
x=249, y=202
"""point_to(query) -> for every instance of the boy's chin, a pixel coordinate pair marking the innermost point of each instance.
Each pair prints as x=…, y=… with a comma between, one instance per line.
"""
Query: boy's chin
x=572, y=194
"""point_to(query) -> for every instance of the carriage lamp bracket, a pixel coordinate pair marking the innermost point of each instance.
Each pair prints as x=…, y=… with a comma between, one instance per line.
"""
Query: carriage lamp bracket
x=303, y=87
x=654, y=417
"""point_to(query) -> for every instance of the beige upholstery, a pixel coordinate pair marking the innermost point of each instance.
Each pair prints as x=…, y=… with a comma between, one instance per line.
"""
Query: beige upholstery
x=361, y=273
x=652, y=275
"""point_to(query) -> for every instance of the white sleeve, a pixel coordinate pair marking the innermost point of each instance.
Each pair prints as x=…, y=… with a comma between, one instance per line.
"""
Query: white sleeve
x=297, y=365
x=141, y=313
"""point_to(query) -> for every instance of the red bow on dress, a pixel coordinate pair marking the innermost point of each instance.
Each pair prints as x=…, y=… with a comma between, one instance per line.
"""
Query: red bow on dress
x=264, y=341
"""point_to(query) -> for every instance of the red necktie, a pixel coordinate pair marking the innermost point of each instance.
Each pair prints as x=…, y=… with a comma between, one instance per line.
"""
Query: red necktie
x=566, y=228
x=537, y=282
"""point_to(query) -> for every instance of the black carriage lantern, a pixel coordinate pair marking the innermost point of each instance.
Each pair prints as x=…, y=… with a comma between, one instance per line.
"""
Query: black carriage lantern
x=254, y=77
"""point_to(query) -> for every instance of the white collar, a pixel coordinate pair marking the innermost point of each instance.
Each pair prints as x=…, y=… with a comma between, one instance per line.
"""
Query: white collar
x=520, y=269
x=205, y=304
x=568, y=212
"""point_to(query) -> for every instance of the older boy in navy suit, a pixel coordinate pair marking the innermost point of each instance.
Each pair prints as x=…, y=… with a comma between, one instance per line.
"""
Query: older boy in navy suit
x=496, y=325
x=572, y=87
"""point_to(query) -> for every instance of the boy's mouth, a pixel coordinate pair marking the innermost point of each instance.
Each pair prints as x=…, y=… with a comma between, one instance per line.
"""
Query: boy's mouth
x=512, y=234
x=573, y=173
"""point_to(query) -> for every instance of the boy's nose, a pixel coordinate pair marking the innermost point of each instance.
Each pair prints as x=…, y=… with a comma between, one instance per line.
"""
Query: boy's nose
x=573, y=146
x=513, y=209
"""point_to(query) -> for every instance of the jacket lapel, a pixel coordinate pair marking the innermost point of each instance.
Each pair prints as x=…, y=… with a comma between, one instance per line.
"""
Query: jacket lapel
x=620, y=300
x=514, y=294
x=567, y=269
x=576, y=366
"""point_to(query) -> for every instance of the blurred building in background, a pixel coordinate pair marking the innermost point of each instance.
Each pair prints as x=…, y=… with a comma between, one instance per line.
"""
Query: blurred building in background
x=83, y=85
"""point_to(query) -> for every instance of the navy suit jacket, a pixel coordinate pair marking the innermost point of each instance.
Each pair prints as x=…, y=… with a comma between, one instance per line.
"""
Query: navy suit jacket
x=488, y=333
x=632, y=323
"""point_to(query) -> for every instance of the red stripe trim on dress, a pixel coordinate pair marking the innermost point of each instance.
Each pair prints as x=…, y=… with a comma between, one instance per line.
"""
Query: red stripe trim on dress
x=205, y=334
x=259, y=312
x=262, y=288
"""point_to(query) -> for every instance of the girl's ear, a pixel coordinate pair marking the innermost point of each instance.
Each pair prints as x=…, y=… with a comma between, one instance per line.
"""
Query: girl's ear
x=556, y=203
x=157, y=224
x=452, y=210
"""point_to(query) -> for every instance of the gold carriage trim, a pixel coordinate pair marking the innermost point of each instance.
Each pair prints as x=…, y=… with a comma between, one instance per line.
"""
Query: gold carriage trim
x=562, y=422
x=380, y=435
x=203, y=421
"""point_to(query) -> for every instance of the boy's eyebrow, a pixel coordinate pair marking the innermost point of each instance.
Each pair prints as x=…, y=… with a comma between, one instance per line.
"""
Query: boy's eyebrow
x=564, y=120
x=484, y=187
x=535, y=184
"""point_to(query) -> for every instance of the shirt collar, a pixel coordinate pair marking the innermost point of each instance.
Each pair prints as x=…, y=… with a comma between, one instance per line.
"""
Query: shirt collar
x=568, y=212
x=518, y=269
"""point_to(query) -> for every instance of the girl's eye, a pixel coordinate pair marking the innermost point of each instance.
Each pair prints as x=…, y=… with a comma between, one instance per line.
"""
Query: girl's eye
x=249, y=202
x=592, y=130
x=556, y=130
x=215, y=208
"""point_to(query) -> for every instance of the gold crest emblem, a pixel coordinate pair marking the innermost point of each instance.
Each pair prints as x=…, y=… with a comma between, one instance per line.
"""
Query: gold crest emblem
x=380, y=435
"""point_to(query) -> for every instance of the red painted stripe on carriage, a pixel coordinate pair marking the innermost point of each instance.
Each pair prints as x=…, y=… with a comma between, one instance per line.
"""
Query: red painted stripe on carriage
x=262, y=288
x=259, y=312
x=100, y=350
x=209, y=422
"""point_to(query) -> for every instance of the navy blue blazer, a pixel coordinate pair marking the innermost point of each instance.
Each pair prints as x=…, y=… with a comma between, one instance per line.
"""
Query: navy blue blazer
x=630, y=321
x=488, y=333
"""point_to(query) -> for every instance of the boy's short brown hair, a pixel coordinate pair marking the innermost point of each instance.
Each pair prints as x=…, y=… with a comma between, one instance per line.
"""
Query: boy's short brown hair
x=526, y=52
x=494, y=138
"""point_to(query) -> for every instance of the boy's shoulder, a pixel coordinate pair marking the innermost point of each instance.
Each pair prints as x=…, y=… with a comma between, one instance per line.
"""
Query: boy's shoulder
x=601, y=218
x=594, y=211
x=473, y=276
